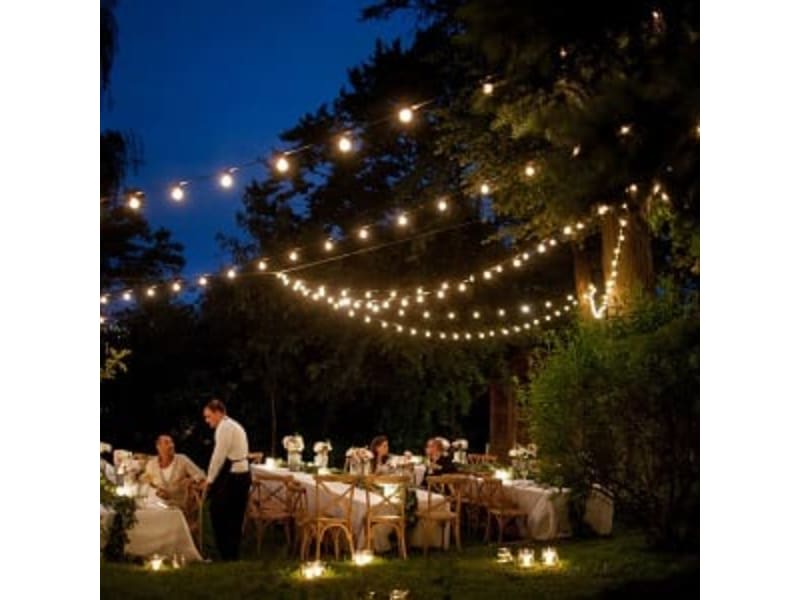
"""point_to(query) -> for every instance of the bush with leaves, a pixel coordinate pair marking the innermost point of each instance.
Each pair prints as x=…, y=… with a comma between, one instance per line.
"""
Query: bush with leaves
x=114, y=535
x=618, y=403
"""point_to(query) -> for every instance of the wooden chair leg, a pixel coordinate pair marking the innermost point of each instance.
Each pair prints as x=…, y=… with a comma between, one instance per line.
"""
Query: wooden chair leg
x=488, y=528
x=259, y=526
x=320, y=532
x=457, y=525
x=336, y=535
x=349, y=536
x=401, y=541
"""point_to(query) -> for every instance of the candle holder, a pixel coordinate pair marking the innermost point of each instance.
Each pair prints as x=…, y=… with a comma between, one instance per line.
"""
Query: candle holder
x=549, y=557
x=504, y=556
x=398, y=594
x=502, y=474
x=312, y=570
x=526, y=558
x=270, y=463
x=155, y=563
x=363, y=557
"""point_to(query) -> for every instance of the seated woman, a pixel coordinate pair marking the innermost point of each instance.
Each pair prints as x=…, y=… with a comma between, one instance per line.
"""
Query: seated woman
x=380, y=455
x=169, y=472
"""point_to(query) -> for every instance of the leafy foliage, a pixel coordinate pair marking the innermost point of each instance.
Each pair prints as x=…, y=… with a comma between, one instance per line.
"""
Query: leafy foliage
x=124, y=517
x=618, y=404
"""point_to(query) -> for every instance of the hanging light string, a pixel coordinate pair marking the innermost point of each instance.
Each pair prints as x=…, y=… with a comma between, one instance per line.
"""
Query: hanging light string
x=599, y=310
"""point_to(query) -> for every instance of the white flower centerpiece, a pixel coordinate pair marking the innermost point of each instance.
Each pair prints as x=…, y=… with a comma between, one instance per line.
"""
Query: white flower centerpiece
x=359, y=461
x=523, y=459
x=321, y=452
x=294, y=451
x=460, y=451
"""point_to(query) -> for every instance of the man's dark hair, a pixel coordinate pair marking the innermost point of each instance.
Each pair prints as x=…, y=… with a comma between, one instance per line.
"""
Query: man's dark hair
x=216, y=405
x=160, y=435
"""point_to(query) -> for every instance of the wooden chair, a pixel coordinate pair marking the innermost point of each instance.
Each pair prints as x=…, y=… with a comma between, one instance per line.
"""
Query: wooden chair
x=432, y=514
x=270, y=501
x=472, y=502
x=499, y=507
x=332, y=513
x=481, y=459
x=386, y=507
x=193, y=511
x=299, y=510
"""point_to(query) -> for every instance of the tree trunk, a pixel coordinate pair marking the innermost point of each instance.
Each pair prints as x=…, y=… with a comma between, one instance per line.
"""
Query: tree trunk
x=274, y=420
x=635, y=272
x=502, y=419
x=582, y=267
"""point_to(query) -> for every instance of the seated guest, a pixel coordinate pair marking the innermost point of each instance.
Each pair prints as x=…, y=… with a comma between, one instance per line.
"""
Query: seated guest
x=169, y=472
x=380, y=455
x=439, y=462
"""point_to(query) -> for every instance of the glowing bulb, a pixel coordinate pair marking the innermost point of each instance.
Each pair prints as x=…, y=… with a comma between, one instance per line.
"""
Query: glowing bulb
x=656, y=15
x=462, y=287
x=102, y=320
x=393, y=294
x=553, y=241
x=293, y=256
x=697, y=131
x=525, y=308
x=455, y=336
x=176, y=287
x=226, y=180
x=517, y=263
x=499, y=268
x=530, y=170
x=405, y=115
x=402, y=220
x=363, y=233
x=451, y=315
x=231, y=273
x=548, y=304
x=412, y=331
x=367, y=319
x=420, y=299
x=476, y=315
x=567, y=230
x=262, y=265
x=127, y=296
x=427, y=333
x=442, y=335
x=134, y=203
x=401, y=313
x=404, y=301
x=177, y=193
x=541, y=248
x=151, y=292
x=625, y=130
x=576, y=150
x=203, y=281
x=501, y=313
x=633, y=188
x=440, y=294
x=441, y=205
x=579, y=225
x=282, y=164
x=485, y=189
x=103, y=299
x=602, y=209
x=345, y=144
x=487, y=88
x=562, y=52
x=399, y=328
x=487, y=275
x=328, y=245
x=426, y=315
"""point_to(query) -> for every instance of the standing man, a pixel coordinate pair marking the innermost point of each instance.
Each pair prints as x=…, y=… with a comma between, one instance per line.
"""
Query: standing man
x=228, y=479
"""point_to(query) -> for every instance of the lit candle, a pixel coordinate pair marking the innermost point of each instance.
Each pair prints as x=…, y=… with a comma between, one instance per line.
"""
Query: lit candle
x=323, y=471
x=156, y=562
x=270, y=463
x=363, y=557
x=312, y=570
x=526, y=557
x=504, y=555
x=549, y=557
x=502, y=474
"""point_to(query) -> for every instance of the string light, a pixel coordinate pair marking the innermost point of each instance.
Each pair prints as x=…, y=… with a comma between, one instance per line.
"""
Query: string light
x=203, y=281
x=176, y=287
x=406, y=115
x=104, y=299
x=625, y=129
x=282, y=164
x=127, y=296
x=441, y=205
x=177, y=192
x=530, y=170
x=485, y=189
x=487, y=88
x=294, y=256
x=134, y=201
x=562, y=52
x=151, y=292
x=345, y=144
x=226, y=179
x=262, y=265
x=598, y=311
x=576, y=150
x=363, y=233
x=231, y=273
x=402, y=220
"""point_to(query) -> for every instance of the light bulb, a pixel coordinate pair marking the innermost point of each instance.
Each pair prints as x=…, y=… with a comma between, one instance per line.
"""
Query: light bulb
x=401, y=313
x=420, y=299
x=548, y=304
x=151, y=292
x=328, y=245
x=426, y=315
x=345, y=144
x=427, y=334
x=441, y=205
x=134, y=203
x=602, y=209
x=553, y=241
x=104, y=299
x=488, y=88
x=402, y=220
x=517, y=263
x=412, y=331
x=576, y=150
x=476, y=315
x=127, y=296
x=625, y=129
x=404, y=301
x=203, y=281
x=440, y=294
x=384, y=324
x=501, y=313
x=485, y=189
x=293, y=256
x=282, y=164
x=363, y=233
x=176, y=287
x=226, y=180
x=578, y=225
x=530, y=170
x=405, y=115
x=231, y=273
x=487, y=275
x=525, y=309
x=562, y=52
x=367, y=319
x=462, y=287
x=177, y=193
x=541, y=248
x=451, y=315
x=262, y=265
x=567, y=230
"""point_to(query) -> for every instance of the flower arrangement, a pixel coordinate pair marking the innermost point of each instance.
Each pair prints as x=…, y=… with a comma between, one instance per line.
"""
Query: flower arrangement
x=104, y=447
x=523, y=458
x=293, y=443
x=460, y=444
x=460, y=450
x=322, y=447
x=359, y=460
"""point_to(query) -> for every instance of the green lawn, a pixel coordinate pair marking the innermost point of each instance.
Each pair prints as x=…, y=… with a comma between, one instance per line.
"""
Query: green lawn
x=620, y=567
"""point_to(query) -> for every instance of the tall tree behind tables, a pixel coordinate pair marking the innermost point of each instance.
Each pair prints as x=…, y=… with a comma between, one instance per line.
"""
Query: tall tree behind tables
x=568, y=76
x=131, y=252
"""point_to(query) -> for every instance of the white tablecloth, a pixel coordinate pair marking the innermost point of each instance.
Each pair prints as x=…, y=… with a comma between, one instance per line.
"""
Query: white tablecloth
x=415, y=536
x=158, y=530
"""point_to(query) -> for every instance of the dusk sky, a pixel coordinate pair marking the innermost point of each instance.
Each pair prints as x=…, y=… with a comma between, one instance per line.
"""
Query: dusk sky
x=207, y=84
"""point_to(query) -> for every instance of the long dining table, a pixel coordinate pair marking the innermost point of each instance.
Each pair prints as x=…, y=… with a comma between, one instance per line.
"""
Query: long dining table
x=415, y=537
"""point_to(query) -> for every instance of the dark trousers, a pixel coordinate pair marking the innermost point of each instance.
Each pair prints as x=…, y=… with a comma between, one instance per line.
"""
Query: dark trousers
x=228, y=501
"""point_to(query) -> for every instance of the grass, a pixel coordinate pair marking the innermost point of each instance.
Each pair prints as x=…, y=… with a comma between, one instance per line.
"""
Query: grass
x=619, y=567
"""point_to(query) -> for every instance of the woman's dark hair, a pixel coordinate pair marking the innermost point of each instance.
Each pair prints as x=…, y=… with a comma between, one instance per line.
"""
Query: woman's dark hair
x=373, y=447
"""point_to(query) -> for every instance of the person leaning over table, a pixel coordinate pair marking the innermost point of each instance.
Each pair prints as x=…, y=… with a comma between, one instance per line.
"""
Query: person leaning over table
x=228, y=479
x=439, y=462
x=169, y=472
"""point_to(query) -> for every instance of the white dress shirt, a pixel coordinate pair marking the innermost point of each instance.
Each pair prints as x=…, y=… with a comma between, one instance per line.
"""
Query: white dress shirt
x=230, y=441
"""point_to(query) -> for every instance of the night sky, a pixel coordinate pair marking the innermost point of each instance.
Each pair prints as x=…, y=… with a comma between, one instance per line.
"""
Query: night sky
x=207, y=84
